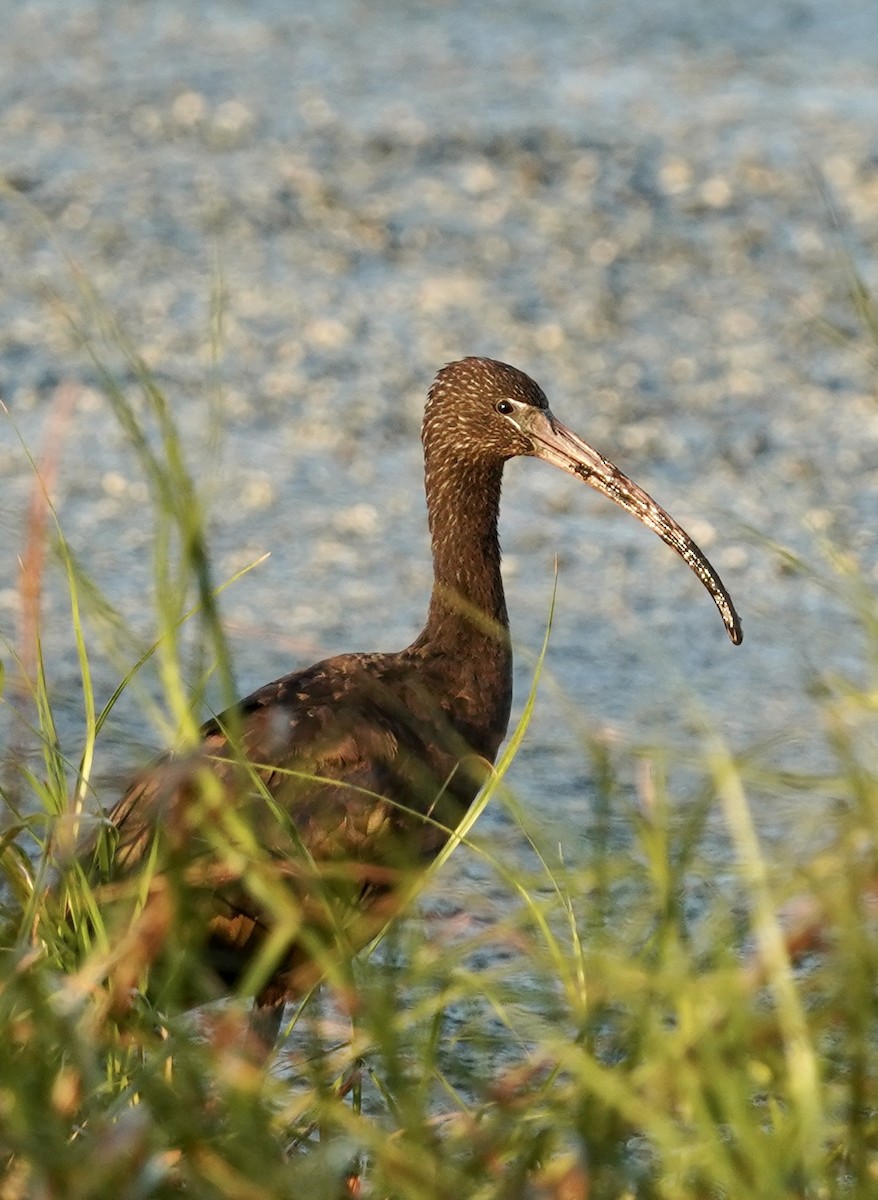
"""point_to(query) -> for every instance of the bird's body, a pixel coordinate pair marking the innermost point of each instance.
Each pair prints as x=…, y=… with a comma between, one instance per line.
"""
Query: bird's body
x=345, y=777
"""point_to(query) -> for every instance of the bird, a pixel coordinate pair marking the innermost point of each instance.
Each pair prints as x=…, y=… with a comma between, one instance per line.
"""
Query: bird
x=288, y=837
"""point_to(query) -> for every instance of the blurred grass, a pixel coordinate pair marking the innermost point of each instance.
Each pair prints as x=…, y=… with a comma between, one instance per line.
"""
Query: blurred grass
x=605, y=1020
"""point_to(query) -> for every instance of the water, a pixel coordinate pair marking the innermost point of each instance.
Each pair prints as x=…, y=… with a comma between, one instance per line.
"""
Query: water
x=621, y=199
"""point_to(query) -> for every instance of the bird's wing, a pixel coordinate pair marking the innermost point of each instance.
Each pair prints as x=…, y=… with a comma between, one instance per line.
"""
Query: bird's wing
x=332, y=762
x=335, y=782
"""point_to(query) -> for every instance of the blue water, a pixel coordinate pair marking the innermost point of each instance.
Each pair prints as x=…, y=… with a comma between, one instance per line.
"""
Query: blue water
x=621, y=199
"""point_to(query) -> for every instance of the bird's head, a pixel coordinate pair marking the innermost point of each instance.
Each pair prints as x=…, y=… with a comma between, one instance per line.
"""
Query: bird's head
x=486, y=412
x=482, y=408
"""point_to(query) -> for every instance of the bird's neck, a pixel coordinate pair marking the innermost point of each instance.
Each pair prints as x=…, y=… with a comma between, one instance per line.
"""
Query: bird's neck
x=467, y=607
x=466, y=638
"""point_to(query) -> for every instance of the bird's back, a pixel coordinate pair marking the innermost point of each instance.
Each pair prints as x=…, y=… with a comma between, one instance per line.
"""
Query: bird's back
x=320, y=794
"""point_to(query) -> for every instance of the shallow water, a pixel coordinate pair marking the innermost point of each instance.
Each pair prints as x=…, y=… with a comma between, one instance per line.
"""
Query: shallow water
x=622, y=200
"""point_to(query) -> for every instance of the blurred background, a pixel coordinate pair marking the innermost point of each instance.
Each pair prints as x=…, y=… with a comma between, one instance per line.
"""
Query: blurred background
x=658, y=209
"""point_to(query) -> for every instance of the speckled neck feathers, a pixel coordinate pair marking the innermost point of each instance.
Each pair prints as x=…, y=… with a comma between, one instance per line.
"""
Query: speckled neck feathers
x=466, y=637
x=462, y=481
x=467, y=603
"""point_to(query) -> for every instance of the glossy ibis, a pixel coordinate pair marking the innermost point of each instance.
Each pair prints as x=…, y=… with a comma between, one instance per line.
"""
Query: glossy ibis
x=341, y=779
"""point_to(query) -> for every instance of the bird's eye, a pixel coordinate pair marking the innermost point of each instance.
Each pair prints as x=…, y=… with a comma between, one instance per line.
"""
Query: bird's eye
x=504, y=407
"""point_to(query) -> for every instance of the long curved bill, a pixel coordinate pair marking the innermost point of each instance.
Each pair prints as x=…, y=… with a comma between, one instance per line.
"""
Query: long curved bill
x=558, y=445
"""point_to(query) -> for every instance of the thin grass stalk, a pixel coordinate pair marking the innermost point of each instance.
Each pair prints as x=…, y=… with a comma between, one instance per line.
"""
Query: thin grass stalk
x=801, y=1054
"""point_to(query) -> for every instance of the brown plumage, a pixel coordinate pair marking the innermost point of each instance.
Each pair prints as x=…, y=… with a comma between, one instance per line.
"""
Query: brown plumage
x=351, y=773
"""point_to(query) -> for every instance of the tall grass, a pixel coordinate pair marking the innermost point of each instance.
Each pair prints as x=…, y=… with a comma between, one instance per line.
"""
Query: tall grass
x=605, y=1023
